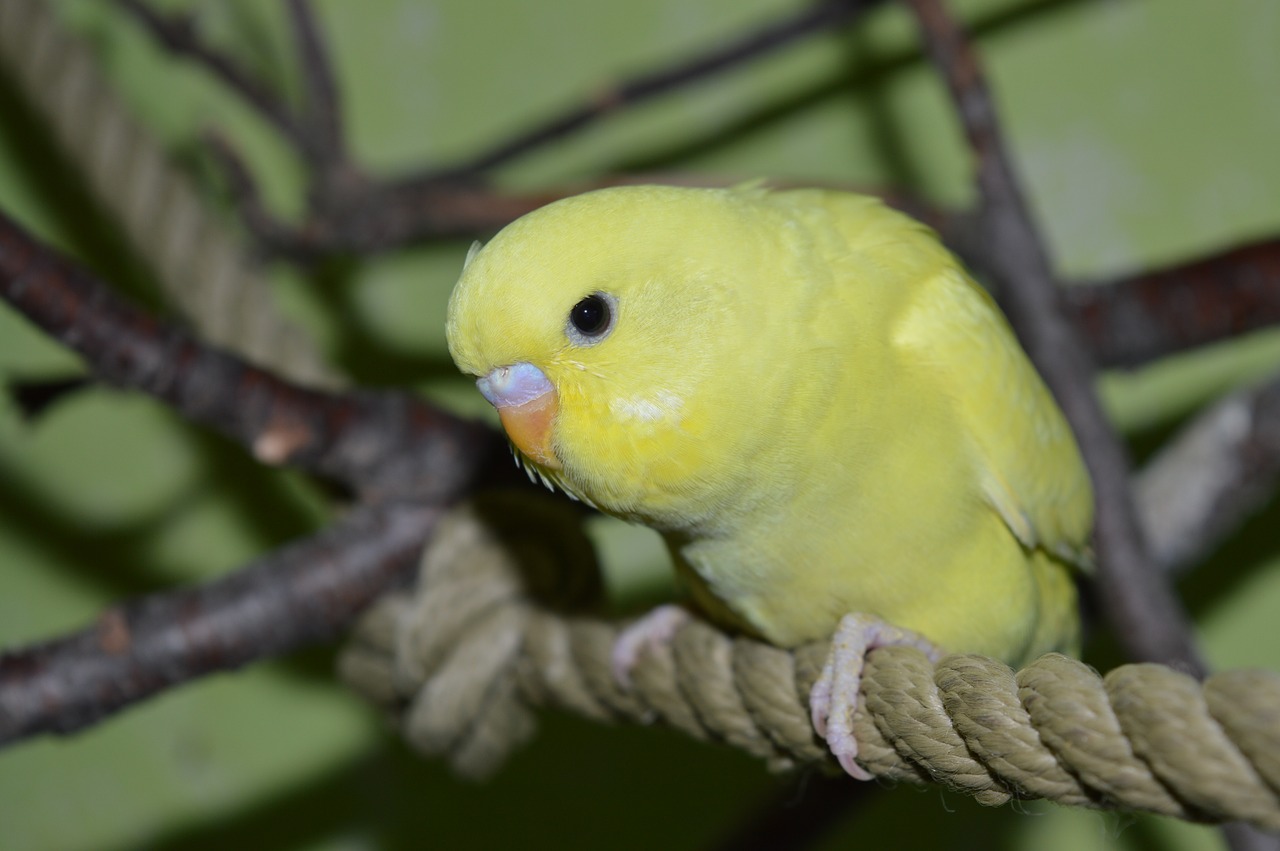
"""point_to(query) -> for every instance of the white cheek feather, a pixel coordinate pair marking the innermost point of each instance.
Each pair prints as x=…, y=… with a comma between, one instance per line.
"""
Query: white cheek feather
x=662, y=405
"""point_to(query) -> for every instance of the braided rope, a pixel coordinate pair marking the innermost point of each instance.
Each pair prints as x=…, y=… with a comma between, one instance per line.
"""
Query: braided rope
x=203, y=268
x=460, y=662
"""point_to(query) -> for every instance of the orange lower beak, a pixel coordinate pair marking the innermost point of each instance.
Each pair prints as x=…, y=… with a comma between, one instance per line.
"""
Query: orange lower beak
x=529, y=427
x=527, y=404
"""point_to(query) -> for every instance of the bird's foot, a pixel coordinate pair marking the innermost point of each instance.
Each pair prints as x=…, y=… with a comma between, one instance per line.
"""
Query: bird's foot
x=656, y=629
x=835, y=695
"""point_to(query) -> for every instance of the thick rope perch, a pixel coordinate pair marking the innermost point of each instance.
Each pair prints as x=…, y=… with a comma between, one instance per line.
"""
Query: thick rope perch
x=460, y=662
x=205, y=270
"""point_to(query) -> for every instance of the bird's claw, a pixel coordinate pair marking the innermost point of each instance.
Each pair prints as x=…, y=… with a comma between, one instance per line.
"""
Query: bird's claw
x=656, y=629
x=834, y=698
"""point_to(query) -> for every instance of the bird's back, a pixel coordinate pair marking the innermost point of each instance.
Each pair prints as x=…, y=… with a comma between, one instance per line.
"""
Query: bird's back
x=923, y=472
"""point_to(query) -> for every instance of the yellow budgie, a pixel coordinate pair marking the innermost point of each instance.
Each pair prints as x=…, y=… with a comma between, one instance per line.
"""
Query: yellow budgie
x=809, y=398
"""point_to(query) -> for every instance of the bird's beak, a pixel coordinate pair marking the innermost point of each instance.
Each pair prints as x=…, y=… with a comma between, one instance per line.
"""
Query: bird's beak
x=527, y=404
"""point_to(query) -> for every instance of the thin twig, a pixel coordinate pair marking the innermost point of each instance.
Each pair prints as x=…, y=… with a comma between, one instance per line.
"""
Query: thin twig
x=349, y=213
x=178, y=35
x=375, y=217
x=376, y=443
x=1148, y=618
x=398, y=214
x=304, y=593
x=379, y=217
x=321, y=100
x=265, y=227
x=825, y=15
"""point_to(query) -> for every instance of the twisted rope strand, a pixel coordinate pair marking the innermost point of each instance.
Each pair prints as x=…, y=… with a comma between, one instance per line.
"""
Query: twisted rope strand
x=203, y=268
x=459, y=671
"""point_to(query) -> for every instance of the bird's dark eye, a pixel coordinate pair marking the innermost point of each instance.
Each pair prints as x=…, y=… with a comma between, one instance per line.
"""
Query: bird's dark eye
x=591, y=315
x=591, y=319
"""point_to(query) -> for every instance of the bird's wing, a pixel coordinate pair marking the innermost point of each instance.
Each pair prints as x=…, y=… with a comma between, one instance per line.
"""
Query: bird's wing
x=1030, y=468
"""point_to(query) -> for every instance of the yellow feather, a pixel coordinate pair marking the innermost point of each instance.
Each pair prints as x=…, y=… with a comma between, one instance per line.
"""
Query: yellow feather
x=810, y=399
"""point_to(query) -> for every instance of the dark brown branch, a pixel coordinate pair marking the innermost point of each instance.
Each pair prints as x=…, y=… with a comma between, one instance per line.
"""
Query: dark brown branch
x=177, y=34
x=1137, y=319
x=379, y=217
x=320, y=91
x=406, y=458
x=825, y=15
x=1141, y=605
x=439, y=203
x=280, y=237
x=304, y=593
x=351, y=214
x=376, y=443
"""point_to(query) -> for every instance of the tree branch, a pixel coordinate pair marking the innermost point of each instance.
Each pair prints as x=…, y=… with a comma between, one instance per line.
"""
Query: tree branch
x=177, y=34
x=349, y=213
x=1147, y=316
x=301, y=594
x=321, y=100
x=811, y=19
x=372, y=217
x=378, y=444
x=406, y=458
x=1149, y=620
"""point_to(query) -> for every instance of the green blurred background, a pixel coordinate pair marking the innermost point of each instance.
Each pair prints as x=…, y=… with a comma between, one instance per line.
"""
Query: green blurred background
x=1146, y=132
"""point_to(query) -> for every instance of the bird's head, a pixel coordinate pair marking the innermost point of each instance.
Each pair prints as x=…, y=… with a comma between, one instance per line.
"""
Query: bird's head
x=611, y=332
